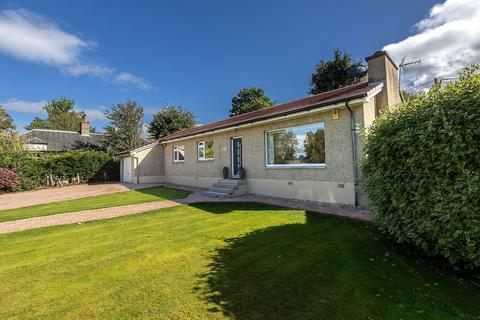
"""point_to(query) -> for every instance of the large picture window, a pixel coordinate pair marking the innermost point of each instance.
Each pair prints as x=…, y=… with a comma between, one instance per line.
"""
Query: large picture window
x=178, y=154
x=302, y=146
x=205, y=150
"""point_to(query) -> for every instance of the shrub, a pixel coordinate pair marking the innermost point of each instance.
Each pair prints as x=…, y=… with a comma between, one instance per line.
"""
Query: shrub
x=9, y=179
x=422, y=170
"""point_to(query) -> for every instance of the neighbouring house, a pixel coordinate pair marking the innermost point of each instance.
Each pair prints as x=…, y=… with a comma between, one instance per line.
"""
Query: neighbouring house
x=59, y=140
x=304, y=149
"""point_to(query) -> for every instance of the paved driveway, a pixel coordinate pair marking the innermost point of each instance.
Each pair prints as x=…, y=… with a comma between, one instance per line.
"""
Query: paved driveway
x=31, y=198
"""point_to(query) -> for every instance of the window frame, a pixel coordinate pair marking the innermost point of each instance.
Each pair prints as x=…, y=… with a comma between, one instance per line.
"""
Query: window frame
x=175, y=150
x=290, y=165
x=204, y=146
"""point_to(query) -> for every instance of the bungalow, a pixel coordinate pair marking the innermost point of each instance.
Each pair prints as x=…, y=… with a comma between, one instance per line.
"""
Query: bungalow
x=304, y=149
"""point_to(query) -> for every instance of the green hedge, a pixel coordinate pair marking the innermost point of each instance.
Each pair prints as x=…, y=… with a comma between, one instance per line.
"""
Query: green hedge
x=422, y=170
x=54, y=169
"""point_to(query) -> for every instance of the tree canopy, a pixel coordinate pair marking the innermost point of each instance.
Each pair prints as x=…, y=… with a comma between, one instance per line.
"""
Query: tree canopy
x=169, y=120
x=61, y=115
x=248, y=100
x=124, y=131
x=6, y=121
x=332, y=74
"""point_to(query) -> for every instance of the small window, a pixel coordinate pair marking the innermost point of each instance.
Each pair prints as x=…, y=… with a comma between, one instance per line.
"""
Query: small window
x=178, y=154
x=205, y=150
x=302, y=146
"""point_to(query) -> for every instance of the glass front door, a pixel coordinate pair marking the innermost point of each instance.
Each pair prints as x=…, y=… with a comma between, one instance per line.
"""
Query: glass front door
x=236, y=156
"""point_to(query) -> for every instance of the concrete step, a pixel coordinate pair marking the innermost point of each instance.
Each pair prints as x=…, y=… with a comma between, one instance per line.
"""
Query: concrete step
x=231, y=181
x=221, y=190
x=216, y=194
x=222, y=185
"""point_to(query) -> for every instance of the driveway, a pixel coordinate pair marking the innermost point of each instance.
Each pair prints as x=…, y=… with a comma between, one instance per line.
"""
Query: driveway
x=31, y=198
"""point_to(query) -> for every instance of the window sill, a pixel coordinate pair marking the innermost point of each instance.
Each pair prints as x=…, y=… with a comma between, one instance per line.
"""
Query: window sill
x=179, y=161
x=287, y=166
x=203, y=160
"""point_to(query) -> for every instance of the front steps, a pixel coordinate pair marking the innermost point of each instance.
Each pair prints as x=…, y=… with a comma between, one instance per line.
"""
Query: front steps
x=226, y=188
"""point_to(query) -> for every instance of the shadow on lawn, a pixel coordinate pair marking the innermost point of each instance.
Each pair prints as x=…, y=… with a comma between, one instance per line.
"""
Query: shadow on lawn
x=329, y=268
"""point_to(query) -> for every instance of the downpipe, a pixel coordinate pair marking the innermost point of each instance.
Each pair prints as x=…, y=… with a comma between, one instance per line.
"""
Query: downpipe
x=354, y=152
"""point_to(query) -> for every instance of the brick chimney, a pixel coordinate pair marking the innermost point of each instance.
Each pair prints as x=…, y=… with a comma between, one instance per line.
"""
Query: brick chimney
x=382, y=68
x=84, y=126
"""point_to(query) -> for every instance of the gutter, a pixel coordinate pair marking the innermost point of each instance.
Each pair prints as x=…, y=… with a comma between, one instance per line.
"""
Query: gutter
x=354, y=152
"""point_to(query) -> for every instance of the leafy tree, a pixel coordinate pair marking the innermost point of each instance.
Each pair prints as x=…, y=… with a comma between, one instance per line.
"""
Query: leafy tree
x=248, y=100
x=314, y=145
x=37, y=123
x=125, y=129
x=6, y=121
x=12, y=151
x=285, y=143
x=61, y=115
x=333, y=74
x=169, y=120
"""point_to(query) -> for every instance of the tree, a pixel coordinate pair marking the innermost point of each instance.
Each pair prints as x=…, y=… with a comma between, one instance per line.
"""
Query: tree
x=125, y=129
x=314, y=145
x=248, y=100
x=61, y=115
x=37, y=123
x=6, y=121
x=169, y=120
x=330, y=75
x=285, y=144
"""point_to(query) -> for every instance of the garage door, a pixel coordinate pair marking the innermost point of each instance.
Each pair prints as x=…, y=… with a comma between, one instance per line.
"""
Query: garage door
x=127, y=169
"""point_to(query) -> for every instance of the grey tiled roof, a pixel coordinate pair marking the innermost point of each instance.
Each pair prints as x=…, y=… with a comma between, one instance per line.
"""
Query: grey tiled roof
x=64, y=140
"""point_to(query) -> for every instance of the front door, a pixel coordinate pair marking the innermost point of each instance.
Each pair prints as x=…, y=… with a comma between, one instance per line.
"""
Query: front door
x=236, y=156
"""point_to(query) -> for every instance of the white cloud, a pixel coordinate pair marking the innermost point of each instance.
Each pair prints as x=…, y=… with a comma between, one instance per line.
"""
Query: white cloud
x=88, y=69
x=447, y=40
x=24, y=106
x=126, y=77
x=93, y=114
x=28, y=36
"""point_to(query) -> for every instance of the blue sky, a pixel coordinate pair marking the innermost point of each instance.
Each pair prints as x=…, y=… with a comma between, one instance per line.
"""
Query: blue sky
x=197, y=54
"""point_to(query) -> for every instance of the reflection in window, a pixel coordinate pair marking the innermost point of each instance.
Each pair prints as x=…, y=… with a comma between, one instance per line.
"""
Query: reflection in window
x=178, y=153
x=296, y=146
x=205, y=150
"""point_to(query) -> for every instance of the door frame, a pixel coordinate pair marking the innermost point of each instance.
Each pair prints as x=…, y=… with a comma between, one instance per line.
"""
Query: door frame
x=231, y=156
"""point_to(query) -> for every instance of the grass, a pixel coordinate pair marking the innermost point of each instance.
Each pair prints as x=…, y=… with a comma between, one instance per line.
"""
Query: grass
x=95, y=202
x=224, y=261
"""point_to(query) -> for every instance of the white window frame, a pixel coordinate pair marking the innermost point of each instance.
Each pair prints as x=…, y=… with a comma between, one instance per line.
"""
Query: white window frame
x=291, y=166
x=202, y=145
x=176, y=152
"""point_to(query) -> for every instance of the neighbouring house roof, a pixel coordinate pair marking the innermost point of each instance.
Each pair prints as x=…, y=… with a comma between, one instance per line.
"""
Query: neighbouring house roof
x=359, y=90
x=58, y=140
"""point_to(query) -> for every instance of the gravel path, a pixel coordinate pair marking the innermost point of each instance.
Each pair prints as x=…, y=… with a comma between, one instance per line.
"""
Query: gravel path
x=196, y=197
x=31, y=198
x=83, y=216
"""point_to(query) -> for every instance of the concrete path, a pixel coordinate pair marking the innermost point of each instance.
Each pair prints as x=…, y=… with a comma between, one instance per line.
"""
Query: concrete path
x=31, y=198
x=83, y=216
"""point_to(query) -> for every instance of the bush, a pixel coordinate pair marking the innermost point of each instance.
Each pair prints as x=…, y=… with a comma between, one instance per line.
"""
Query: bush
x=9, y=179
x=422, y=170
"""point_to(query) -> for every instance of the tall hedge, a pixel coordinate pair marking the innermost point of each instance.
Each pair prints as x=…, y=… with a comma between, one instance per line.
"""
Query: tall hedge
x=53, y=169
x=422, y=170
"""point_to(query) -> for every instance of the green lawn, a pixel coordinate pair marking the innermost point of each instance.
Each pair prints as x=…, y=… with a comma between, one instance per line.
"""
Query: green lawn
x=96, y=202
x=224, y=261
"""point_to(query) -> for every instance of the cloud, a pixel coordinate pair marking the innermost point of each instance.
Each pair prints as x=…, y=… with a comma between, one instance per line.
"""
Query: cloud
x=93, y=114
x=446, y=41
x=126, y=77
x=24, y=106
x=89, y=69
x=28, y=36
